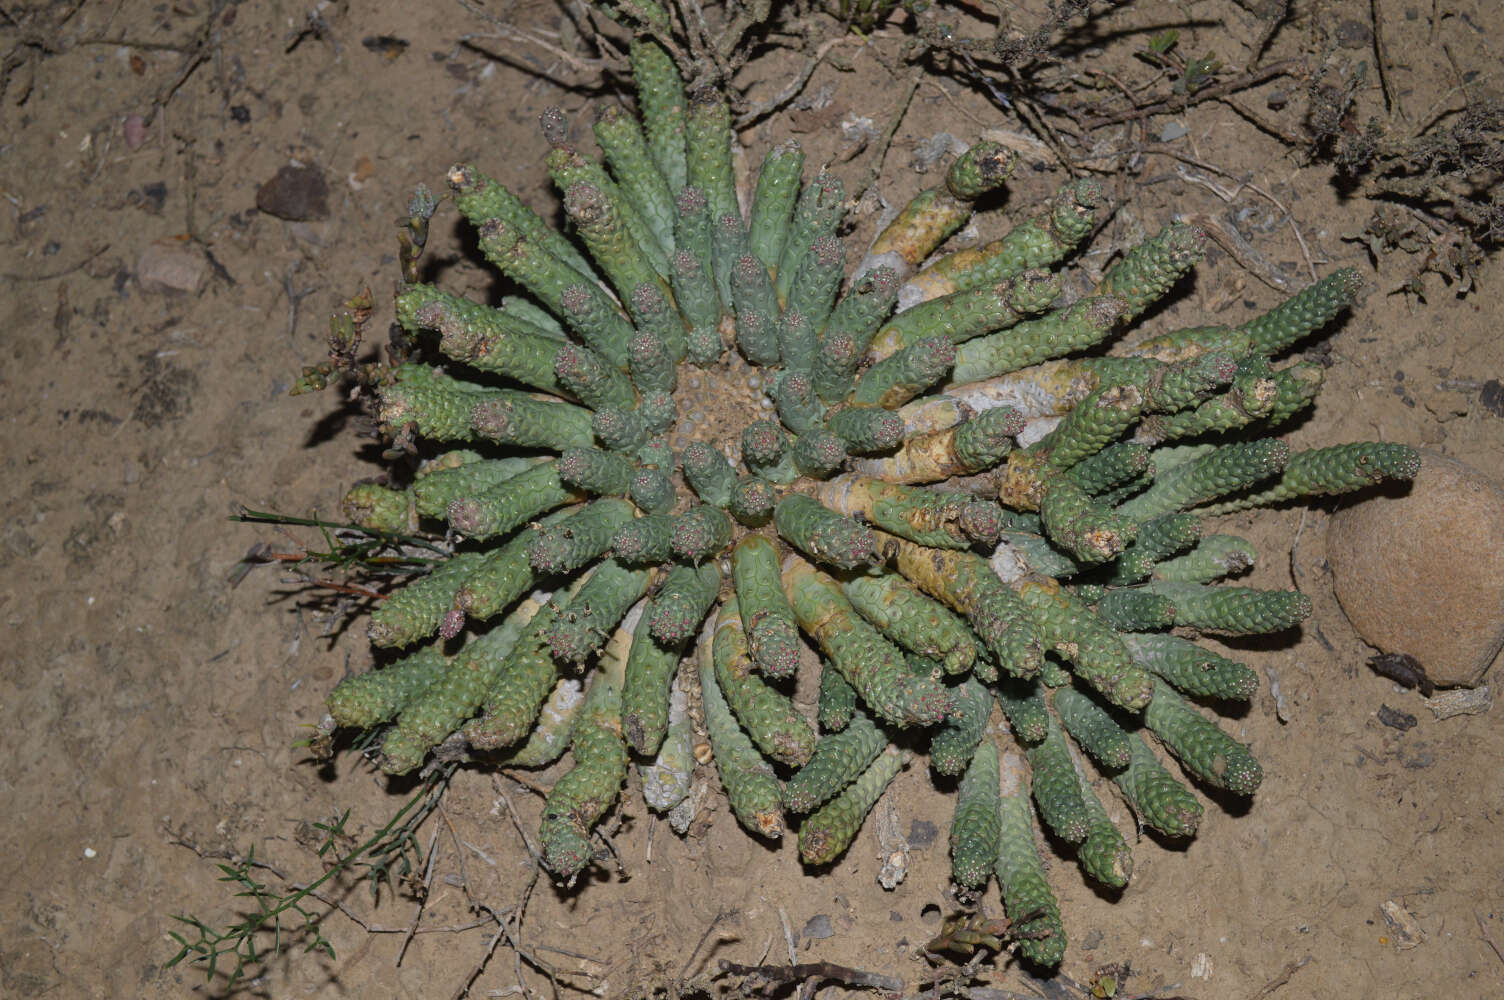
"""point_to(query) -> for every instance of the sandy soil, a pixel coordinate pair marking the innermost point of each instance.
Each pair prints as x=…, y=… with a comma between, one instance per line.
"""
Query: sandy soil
x=152, y=709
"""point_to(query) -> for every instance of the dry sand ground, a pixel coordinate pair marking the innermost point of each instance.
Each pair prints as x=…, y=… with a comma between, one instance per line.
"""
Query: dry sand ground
x=149, y=704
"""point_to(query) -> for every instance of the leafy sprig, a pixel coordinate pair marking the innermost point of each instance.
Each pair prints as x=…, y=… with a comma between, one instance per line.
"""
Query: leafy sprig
x=393, y=848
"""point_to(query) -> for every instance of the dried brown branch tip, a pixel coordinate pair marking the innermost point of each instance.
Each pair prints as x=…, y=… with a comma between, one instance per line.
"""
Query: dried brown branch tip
x=690, y=458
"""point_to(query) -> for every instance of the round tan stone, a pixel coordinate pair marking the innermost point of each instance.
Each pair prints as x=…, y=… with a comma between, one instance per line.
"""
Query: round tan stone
x=1423, y=573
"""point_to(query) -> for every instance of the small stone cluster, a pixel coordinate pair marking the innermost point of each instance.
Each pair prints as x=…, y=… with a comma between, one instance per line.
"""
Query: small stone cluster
x=945, y=498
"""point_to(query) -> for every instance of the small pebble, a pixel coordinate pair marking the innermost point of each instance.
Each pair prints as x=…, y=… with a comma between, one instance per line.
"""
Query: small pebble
x=922, y=833
x=296, y=194
x=170, y=265
x=134, y=129
x=817, y=928
x=1396, y=719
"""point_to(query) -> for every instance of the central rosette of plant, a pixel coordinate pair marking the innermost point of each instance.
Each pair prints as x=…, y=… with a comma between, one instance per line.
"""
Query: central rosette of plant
x=901, y=478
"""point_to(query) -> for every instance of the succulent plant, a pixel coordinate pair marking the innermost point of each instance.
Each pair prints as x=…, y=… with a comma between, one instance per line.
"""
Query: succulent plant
x=945, y=484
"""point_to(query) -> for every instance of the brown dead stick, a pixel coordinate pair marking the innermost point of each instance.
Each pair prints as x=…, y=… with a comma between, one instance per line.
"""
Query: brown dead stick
x=818, y=970
x=1239, y=83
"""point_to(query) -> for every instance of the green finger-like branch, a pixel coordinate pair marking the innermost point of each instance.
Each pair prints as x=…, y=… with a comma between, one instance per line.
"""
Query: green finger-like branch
x=1065, y=331
x=677, y=610
x=980, y=169
x=814, y=288
x=1159, y=799
x=489, y=339
x=599, y=222
x=580, y=629
x=380, y=509
x=644, y=540
x=531, y=421
x=1083, y=526
x=582, y=304
x=865, y=430
x=1023, y=705
x=1331, y=471
x=620, y=430
x=416, y=611
x=490, y=513
x=682, y=603
x=1304, y=313
x=453, y=697
x=955, y=741
x=709, y=474
x=652, y=491
x=1036, y=243
x=970, y=313
x=1104, y=854
x=765, y=452
x=660, y=327
x=862, y=309
x=1095, y=422
x=592, y=379
x=1251, y=397
x=551, y=733
x=660, y=93
x=837, y=699
x=582, y=796
x=1129, y=610
x=708, y=150
x=1191, y=668
x=629, y=158
x=603, y=473
x=633, y=235
x=1200, y=745
x=1234, y=610
x=527, y=676
x=1111, y=467
x=873, y=666
x=1214, y=557
x=838, y=760
x=1056, y=790
x=699, y=533
x=365, y=700
x=1027, y=898
x=1094, y=650
x=752, y=501
x=751, y=787
x=772, y=632
x=773, y=202
x=826, y=834
x=438, y=406
x=767, y=716
x=481, y=199
x=505, y=575
x=822, y=534
x=794, y=399
x=912, y=620
x=1224, y=470
x=817, y=213
x=897, y=379
x=1148, y=271
x=756, y=310
x=975, y=829
x=1093, y=729
x=967, y=584
x=565, y=547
